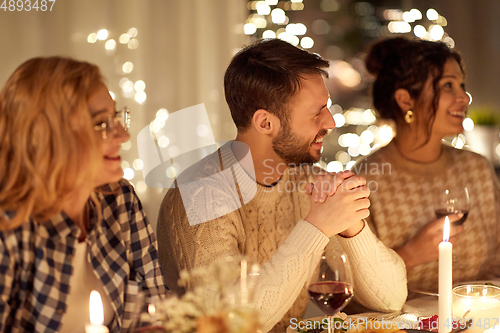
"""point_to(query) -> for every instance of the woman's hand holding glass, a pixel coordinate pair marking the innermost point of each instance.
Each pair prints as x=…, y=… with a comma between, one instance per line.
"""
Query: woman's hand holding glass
x=423, y=247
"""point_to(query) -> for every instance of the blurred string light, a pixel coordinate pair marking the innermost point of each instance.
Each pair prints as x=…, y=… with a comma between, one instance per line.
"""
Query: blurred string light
x=110, y=45
x=268, y=19
x=428, y=25
x=102, y=34
x=468, y=124
x=345, y=73
x=134, y=90
x=400, y=22
x=497, y=150
x=355, y=146
x=128, y=173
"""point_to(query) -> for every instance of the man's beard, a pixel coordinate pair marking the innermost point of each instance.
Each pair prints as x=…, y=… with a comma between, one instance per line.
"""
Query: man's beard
x=294, y=150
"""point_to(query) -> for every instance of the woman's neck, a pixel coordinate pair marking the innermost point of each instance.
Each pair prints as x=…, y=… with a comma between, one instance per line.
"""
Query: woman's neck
x=75, y=207
x=416, y=148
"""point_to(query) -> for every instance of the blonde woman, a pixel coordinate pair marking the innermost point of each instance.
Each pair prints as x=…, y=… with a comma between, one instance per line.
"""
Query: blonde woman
x=69, y=222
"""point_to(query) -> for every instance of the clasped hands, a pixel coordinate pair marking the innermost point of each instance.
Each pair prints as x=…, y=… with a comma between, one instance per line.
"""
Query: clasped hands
x=339, y=202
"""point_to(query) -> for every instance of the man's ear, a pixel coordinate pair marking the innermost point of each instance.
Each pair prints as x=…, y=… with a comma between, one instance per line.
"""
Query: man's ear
x=404, y=100
x=265, y=122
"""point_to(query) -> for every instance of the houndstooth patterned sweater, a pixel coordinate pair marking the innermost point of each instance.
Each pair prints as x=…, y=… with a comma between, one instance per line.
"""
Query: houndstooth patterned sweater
x=402, y=203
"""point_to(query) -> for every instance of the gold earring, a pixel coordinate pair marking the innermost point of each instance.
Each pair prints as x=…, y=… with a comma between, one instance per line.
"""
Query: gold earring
x=409, y=116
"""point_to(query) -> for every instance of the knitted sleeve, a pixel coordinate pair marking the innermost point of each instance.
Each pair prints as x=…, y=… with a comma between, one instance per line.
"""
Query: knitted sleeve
x=282, y=277
x=379, y=273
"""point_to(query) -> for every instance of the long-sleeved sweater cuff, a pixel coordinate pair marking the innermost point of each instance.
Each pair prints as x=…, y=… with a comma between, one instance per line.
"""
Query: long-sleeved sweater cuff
x=307, y=238
x=361, y=245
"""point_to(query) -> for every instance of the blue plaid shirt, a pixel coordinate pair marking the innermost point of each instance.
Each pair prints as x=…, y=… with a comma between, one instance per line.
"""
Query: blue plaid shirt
x=35, y=263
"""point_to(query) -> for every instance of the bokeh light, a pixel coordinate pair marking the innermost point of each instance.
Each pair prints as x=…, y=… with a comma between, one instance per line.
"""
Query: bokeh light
x=307, y=42
x=127, y=145
x=92, y=38
x=250, y=28
x=468, y=124
x=432, y=14
x=139, y=85
x=268, y=34
x=110, y=45
x=128, y=173
x=334, y=166
x=436, y=32
x=102, y=34
x=339, y=119
x=124, y=38
x=138, y=164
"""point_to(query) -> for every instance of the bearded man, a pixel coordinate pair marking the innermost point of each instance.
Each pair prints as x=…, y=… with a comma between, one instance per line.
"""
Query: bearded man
x=271, y=204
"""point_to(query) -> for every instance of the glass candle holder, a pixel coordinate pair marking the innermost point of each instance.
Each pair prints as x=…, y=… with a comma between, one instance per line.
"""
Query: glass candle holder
x=483, y=301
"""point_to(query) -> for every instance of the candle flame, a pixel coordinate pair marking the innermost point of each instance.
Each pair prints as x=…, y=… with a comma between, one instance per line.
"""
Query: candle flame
x=96, y=309
x=446, y=229
x=151, y=309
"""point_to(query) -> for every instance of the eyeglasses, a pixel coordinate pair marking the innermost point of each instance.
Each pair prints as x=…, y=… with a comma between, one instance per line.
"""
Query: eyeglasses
x=121, y=117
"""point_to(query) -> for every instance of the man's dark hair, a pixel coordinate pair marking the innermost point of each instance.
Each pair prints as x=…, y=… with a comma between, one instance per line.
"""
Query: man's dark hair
x=264, y=75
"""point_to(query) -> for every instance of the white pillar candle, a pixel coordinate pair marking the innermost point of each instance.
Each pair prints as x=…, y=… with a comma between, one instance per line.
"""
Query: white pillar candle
x=96, y=314
x=445, y=280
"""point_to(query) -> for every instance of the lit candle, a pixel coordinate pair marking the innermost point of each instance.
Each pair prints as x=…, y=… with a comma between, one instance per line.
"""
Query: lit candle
x=243, y=281
x=96, y=315
x=445, y=280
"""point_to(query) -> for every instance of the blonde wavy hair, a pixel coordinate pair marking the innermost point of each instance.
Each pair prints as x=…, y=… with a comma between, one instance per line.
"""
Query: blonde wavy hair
x=47, y=139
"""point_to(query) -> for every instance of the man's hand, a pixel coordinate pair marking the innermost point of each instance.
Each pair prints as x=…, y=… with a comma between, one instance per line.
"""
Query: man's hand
x=338, y=203
x=423, y=247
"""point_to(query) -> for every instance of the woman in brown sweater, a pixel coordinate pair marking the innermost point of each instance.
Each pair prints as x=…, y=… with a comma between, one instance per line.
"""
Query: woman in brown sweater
x=420, y=86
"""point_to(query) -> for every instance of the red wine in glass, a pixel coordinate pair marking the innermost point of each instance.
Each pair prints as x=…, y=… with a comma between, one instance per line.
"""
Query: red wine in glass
x=331, y=285
x=330, y=296
x=452, y=200
x=444, y=212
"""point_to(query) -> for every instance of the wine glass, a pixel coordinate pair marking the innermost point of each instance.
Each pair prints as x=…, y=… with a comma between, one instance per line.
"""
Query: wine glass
x=331, y=288
x=452, y=201
x=148, y=315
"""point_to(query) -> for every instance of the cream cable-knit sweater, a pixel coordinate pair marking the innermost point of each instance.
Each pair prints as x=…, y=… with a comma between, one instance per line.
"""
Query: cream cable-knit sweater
x=270, y=229
x=402, y=203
